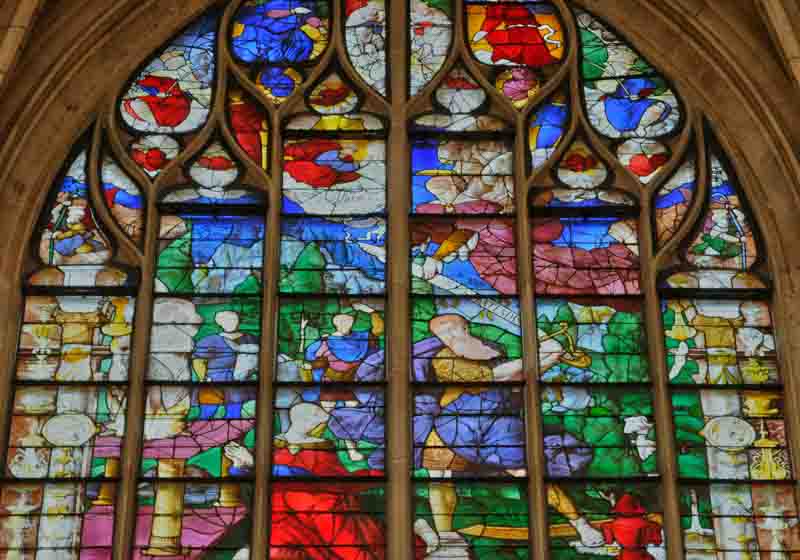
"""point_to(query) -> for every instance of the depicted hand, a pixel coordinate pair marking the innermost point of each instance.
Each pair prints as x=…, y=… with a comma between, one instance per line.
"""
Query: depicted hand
x=363, y=307
x=431, y=267
x=637, y=425
x=239, y=455
x=479, y=36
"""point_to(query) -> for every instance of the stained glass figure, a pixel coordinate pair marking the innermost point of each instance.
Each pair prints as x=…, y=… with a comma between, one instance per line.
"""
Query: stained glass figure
x=124, y=199
x=605, y=519
x=430, y=37
x=328, y=431
x=595, y=255
x=327, y=340
x=476, y=431
x=153, y=152
x=205, y=339
x=210, y=253
x=280, y=33
x=333, y=256
x=591, y=341
x=461, y=176
x=731, y=434
x=625, y=97
x=719, y=342
x=548, y=124
x=365, y=40
x=471, y=520
x=174, y=91
x=673, y=200
x=186, y=519
x=725, y=240
x=466, y=340
x=334, y=176
x=318, y=519
x=60, y=519
x=528, y=37
x=250, y=126
x=728, y=520
x=643, y=158
x=463, y=257
x=71, y=235
x=598, y=432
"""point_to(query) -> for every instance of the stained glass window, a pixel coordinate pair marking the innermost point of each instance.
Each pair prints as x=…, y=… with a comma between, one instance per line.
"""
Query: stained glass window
x=69, y=401
x=319, y=286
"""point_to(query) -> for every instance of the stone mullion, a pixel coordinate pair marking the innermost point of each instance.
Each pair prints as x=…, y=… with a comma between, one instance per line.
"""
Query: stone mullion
x=656, y=355
x=269, y=309
x=125, y=522
x=398, y=339
x=537, y=498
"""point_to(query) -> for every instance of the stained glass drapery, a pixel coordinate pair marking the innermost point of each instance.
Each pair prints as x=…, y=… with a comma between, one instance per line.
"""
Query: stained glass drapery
x=584, y=292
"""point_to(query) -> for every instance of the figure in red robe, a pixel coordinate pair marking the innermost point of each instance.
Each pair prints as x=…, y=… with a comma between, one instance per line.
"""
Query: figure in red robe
x=515, y=36
x=631, y=529
x=319, y=163
x=166, y=102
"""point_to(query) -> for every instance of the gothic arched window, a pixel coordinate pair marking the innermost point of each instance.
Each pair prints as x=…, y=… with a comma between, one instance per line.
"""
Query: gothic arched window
x=313, y=287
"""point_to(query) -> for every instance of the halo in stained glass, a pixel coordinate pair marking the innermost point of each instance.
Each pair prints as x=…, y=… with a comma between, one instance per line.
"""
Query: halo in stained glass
x=643, y=158
x=365, y=40
x=430, y=37
x=174, y=90
x=123, y=198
